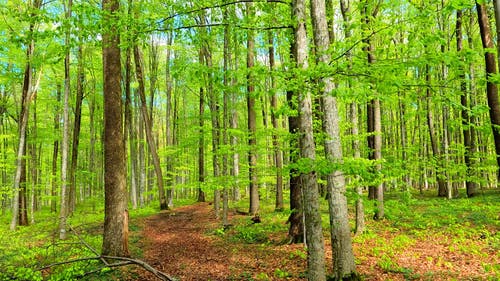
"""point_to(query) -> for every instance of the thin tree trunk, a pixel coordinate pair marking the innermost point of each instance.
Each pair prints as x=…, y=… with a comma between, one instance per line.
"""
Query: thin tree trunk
x=278, y=155
x=129, y=121
x=64, y=210
x=252, y=119
x=374, y=117
x=147, y=126
x=55, y=152
x=436, y=151
x=225, y=118
x=115, y=234
x=201, y=142
x=76, y=130
x=233, y=123
x=169, y=127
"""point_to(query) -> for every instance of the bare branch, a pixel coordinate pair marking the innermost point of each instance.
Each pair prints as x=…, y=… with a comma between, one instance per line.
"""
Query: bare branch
x=223, y=5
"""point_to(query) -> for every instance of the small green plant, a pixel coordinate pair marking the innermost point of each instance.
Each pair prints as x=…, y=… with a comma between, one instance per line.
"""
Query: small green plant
x=388, y=265
x=281, y=273
x=298, y=253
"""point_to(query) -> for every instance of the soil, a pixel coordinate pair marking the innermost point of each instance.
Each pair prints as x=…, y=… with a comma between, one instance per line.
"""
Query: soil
x=183, y=244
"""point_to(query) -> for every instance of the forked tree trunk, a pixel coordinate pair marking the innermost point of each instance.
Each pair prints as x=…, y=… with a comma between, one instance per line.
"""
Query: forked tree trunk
x=115, y=234
x=344, y=267
x=313, y=228
x=147, y=125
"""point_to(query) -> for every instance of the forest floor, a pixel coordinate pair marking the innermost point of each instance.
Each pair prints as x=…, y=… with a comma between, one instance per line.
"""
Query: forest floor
x=188, y=243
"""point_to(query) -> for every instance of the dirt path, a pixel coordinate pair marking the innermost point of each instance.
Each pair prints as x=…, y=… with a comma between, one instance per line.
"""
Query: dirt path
x=176, y=244
x=181, y=243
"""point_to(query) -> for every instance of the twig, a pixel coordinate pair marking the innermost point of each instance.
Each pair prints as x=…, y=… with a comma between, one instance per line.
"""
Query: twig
x=157, y=273
x=87, y=244
x=125, y=261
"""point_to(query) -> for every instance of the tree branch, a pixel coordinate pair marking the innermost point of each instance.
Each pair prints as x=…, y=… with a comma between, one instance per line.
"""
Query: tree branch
x=223, y=5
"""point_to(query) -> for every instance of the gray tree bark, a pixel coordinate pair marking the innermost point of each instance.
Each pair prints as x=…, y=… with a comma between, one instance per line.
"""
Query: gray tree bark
x=342, y=253
x=313, y=228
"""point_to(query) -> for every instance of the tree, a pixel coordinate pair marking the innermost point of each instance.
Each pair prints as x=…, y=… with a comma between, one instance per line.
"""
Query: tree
x=147, y=126
x=344, y=267
x=252, y=119
x=373, y=111
x=65, y=206
x=491, y=70
x=30, y=87
x=115, y=235
x=313, y=229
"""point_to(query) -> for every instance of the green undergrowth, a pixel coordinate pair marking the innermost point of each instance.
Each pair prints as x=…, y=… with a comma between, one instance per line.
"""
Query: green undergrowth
x=26, y=252
x=465, y=226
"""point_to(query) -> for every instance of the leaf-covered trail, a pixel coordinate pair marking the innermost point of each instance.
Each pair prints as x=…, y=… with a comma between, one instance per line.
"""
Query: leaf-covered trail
x=176, y=244
x=181, y=243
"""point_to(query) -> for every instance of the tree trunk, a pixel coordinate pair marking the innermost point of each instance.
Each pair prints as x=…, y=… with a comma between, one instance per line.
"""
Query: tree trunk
x=147, y=125
x=467, y=122
x=491, y=70
x=226, y=117
x=76, y=131
x=201, y=142
x=436, y=151
x=314, y=231
x=169, y=127
x=129, y=121
x=252, y=119
x=374, y=117
x=115, y=235
x=344, y=267
x=277, y=154
x=55, y=152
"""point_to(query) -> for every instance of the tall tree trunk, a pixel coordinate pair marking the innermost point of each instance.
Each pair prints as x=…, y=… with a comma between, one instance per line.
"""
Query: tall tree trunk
x=169, y=120
x=467, y=129
x=233, y=123
x=314, y=232
x=76, y=130
x=252, y=119
x=115, y=235
x=201, y=141
x=436, y=151
x=345, y=9
x=373, y=113
x=491, y=70
x=55, y=152
x=344, y=267
x=225, y=117
x=147, y=125
x=19, y=212
x=277, y=154
x=130, y=136
x=64, y=210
